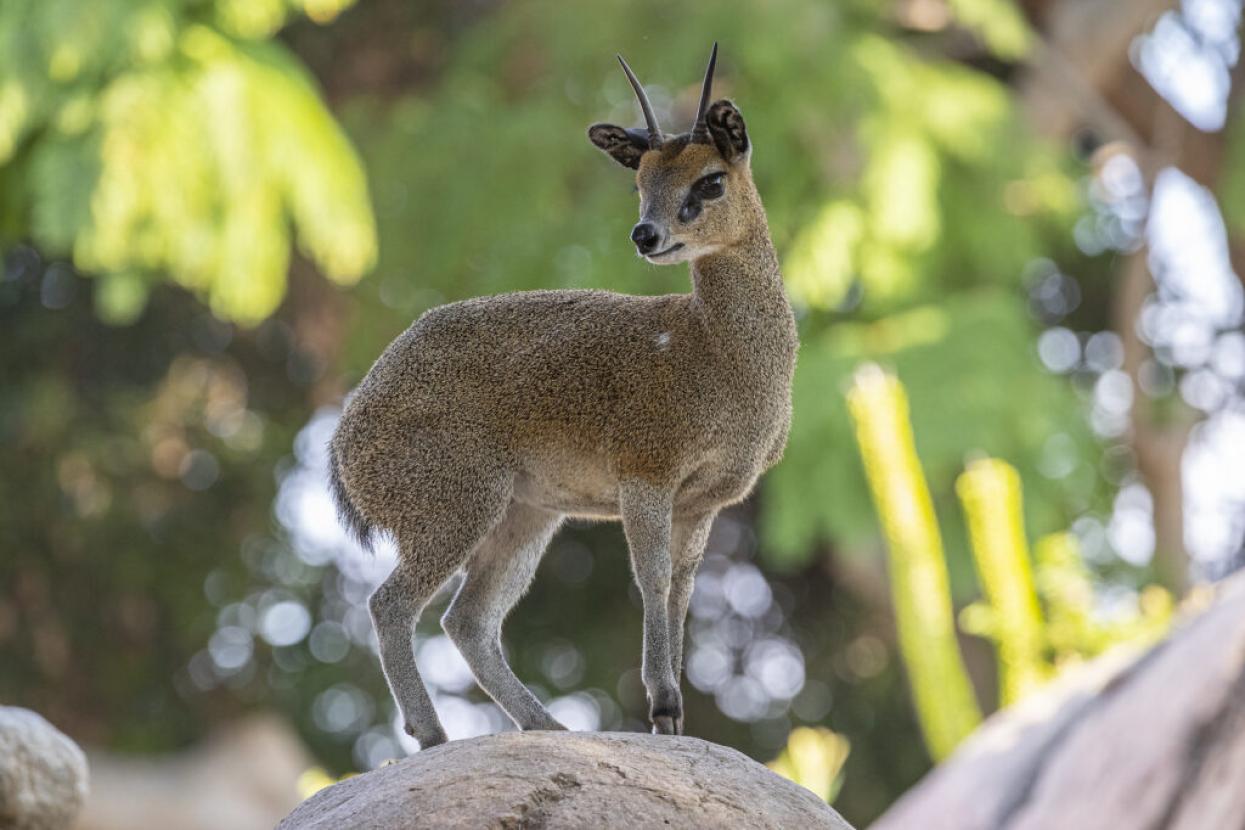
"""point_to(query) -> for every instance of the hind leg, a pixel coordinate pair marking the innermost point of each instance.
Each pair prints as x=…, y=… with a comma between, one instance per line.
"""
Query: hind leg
x=395, y=608
x=442, y=530
x=498, y=574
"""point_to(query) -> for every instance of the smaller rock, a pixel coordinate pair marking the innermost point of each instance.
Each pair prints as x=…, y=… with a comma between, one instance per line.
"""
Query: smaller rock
x=42, y=773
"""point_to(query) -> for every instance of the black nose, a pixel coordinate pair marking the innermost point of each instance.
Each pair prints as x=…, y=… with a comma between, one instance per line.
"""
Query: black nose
x=645, y=237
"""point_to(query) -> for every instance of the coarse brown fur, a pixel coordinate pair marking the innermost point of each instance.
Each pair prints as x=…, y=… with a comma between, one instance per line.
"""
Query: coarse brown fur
x=489, y=420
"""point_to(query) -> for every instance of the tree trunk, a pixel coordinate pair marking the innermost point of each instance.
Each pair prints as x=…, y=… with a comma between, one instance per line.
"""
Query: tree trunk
x=1083, y=79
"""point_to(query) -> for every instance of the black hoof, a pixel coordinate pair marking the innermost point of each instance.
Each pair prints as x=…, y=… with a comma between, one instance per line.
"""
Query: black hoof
x=426, y=741
x=667, y=721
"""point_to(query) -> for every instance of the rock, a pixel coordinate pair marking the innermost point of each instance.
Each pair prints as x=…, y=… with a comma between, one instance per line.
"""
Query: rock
x=567, y=780
x=243, y=777
x=1149, y=739
x=42, y=773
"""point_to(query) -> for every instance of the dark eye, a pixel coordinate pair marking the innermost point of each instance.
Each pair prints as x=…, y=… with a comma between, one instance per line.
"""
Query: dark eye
x=710, y=187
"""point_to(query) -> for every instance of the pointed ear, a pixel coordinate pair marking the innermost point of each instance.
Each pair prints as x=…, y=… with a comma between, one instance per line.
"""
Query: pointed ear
x=726, y=128
x=624, y=146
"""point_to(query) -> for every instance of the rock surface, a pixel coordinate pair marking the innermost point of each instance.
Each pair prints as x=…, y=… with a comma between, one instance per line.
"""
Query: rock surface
x=243, y=777
x=42, y=773
x=1152, y=739
x=567, y=780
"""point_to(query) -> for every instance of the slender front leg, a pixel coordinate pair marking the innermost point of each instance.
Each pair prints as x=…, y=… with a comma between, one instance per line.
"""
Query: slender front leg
x=646, y=521
x=688, y=548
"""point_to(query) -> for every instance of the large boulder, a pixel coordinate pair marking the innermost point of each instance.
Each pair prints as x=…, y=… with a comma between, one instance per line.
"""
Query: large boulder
x=42, y=773
x=553, y=780
x=1133, y=739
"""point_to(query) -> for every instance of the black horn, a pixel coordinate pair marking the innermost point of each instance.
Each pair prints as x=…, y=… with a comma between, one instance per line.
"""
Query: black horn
x=654, y=131
x=700, y=130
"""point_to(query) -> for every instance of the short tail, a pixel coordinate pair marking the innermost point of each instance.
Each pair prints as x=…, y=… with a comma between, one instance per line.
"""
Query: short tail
x=347, y=512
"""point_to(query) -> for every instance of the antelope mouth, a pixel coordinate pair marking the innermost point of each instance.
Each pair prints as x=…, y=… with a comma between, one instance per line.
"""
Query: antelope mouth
x=676, y=246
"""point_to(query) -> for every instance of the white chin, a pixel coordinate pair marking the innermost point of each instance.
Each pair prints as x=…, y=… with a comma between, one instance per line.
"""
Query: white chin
x=670, y=256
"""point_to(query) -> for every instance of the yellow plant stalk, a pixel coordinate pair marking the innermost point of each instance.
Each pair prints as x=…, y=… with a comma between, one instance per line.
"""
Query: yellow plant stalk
x=990, y=493
x=920, y=589
x=814, y=758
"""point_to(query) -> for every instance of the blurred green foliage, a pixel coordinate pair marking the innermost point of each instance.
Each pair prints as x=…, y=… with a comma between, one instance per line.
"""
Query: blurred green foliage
x=877, y=164
x=136, y=462
x=1028, y=649
x=1065, y=619
x=917, y=567
x=1073, y=632
x=181, y=142
x=999, y=23
x=965, y=395
x=888, y=191
x=1231, y=191
x=170, y=140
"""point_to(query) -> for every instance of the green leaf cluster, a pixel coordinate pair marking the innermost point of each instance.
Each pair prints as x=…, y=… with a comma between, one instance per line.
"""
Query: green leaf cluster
x=975, y=385
x=1031, y=642
x=900, y=188
x=169, y=140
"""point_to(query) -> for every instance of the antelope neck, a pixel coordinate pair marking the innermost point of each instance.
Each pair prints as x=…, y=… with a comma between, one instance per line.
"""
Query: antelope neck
x=740, y=284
